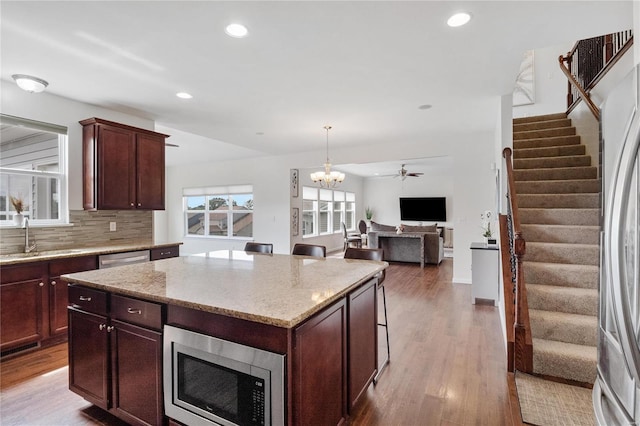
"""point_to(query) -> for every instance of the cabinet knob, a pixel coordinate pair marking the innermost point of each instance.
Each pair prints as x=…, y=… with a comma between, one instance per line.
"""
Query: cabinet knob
x=41, y=284
x=132, y=205
x=102, y=326
x=139, y=204
x=53, y=283
x=110, y=329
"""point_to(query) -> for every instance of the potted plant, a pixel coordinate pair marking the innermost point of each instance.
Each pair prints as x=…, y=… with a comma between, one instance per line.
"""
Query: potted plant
x=18, y=206
x=486, y=227
x=368, y=214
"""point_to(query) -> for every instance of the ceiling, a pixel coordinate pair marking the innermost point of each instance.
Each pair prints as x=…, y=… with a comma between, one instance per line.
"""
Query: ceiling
x=364, y=67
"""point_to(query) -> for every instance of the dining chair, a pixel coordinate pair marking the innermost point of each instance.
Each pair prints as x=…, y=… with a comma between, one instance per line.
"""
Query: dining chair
x=374, y=254
x=350, y=238
x=309, y=250
x=258, y=247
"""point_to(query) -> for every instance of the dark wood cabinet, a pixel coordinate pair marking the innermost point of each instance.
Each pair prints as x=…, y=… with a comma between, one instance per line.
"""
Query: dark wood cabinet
x=320, y=392
x=23, y=306
x=58, y=289
x=363, y=337
x=115, y=358
x=123, y=166
x=165, y=252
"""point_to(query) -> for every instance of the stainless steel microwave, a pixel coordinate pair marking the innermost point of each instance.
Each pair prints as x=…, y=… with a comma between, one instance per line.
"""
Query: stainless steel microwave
x=209, y=381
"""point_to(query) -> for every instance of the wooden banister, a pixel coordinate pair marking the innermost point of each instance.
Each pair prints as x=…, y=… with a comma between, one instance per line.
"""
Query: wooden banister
x=584, y=95
x=523, y=343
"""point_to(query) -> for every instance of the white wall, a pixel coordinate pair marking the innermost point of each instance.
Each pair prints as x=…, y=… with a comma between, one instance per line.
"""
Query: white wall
x=54, y=109
x=382, y=193
x=550, y=83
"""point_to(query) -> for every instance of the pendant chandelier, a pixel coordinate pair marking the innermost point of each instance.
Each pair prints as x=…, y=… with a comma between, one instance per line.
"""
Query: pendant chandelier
x=327, y=178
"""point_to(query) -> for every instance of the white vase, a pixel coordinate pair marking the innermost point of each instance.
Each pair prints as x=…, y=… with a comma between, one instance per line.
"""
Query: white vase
x=18, y=219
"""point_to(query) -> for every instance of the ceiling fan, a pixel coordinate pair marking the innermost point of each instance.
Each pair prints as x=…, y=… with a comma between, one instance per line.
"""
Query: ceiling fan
x=404, y=173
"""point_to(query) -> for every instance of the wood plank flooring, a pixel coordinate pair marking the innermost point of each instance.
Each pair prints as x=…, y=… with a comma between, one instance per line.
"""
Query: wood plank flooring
x=447, y=365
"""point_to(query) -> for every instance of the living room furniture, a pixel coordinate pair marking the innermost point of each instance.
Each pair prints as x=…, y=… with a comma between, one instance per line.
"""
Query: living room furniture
x=350, y=238
x=485, y=280
x=309, y=250
x=417, y=247
x=374, y=254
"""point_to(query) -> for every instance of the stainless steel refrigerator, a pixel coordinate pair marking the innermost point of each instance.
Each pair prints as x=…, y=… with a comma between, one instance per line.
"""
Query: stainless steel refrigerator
x=616, y=393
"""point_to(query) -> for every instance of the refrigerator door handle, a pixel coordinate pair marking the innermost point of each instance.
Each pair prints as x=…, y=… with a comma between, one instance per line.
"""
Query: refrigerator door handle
x=615, y=246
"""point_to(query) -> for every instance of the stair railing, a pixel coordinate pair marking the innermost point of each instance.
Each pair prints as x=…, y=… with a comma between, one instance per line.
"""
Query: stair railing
x=588, y=61
x=522, y=339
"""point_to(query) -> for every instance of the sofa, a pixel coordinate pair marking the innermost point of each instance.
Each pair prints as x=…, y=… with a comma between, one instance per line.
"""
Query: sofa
x=417, y=244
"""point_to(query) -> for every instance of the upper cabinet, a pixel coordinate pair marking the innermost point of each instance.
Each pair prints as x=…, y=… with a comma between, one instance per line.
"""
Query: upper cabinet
x=123, y=166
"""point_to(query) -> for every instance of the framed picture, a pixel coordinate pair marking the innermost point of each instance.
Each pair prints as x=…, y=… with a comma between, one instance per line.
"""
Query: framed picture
x=294, y=182
x=294, y=221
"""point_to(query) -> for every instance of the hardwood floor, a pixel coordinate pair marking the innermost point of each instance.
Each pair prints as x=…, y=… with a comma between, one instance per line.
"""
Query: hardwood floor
x=447, y=365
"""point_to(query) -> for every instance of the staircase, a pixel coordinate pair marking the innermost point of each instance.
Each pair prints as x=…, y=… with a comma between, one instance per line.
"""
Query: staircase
x=558, y=199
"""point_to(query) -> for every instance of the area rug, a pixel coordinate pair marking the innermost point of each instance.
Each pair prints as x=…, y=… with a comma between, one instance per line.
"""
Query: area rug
x=547, y=403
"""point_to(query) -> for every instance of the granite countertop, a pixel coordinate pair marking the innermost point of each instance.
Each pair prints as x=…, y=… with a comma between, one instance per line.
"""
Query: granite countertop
x=17, y=258
x=280, y=290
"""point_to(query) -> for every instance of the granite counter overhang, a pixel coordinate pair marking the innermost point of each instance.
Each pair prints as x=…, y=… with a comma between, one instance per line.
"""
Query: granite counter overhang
x=278, y=290
x=19, y=258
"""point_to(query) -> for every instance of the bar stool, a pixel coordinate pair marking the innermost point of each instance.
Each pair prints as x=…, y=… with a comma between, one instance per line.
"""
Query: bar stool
x=309, y=250
x=259, y=247
x=374, y=254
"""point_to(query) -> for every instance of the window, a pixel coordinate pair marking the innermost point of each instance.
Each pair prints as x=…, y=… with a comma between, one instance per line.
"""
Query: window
x=324, y=211
x=33, y=169
x=225, y=212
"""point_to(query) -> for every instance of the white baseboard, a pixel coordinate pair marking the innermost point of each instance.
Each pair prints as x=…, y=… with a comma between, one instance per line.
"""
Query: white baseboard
x=461, y=281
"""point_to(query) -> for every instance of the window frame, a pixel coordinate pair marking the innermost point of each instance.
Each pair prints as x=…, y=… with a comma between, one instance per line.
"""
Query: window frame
x=339, y=204
x=29, y=169
x=208, y=193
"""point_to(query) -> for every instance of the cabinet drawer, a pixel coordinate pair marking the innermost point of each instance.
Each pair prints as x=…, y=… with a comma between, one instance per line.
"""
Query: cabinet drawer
x=72, y=264
x=30, y=271
x=165, y=252
x=134, y=311
x=88, y=299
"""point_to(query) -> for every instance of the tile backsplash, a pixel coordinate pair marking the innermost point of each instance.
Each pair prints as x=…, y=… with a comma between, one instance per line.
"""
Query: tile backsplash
x=88, y=229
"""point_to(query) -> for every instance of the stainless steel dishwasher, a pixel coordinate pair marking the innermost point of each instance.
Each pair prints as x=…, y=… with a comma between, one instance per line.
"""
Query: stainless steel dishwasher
x=121, y=259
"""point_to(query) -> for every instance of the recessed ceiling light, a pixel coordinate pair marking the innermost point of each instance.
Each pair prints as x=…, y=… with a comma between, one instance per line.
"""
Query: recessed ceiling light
x=184, y=95
x=425, y=106
x=236, y=30
x=29, y=83
x=459, y=19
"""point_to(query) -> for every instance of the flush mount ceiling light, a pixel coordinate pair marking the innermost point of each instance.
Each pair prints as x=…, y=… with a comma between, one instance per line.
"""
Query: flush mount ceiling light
x=184, y=95
x=236, y=30
x=327, y=178
x=425, y=106
x=459, y=19
x=29, y=83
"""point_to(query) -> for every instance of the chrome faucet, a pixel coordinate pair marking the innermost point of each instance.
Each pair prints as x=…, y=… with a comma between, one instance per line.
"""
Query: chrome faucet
x=28, y=248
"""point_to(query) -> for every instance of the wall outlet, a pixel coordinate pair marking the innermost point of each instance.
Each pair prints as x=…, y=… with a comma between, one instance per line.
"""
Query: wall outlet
x=112, y=226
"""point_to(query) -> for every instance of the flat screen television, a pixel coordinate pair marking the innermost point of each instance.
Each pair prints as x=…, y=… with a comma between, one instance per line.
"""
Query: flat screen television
x=428, y=209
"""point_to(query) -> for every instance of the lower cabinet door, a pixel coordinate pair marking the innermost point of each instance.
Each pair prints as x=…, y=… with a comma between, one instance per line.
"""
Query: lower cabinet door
x=21, y=313
x=137, y=374
x=89, y=357
x=319, y=369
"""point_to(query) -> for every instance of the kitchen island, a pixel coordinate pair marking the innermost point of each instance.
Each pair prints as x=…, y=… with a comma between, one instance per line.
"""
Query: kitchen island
x=320, y=314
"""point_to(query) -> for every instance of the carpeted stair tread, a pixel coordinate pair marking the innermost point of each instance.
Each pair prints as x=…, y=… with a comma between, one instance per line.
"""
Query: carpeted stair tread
x=566, y=360
x=552, y=162
x=539, y=125
x=544, y=117
x=572, y=234
x=572, y=300
x=554, y=201
x=549, y=151
x=543, y=142
x=564, y=327
x=544, y=133
x=558, y=186
x=560, y=274
x=560, y=216
x=576, y=254
x=557, y=173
